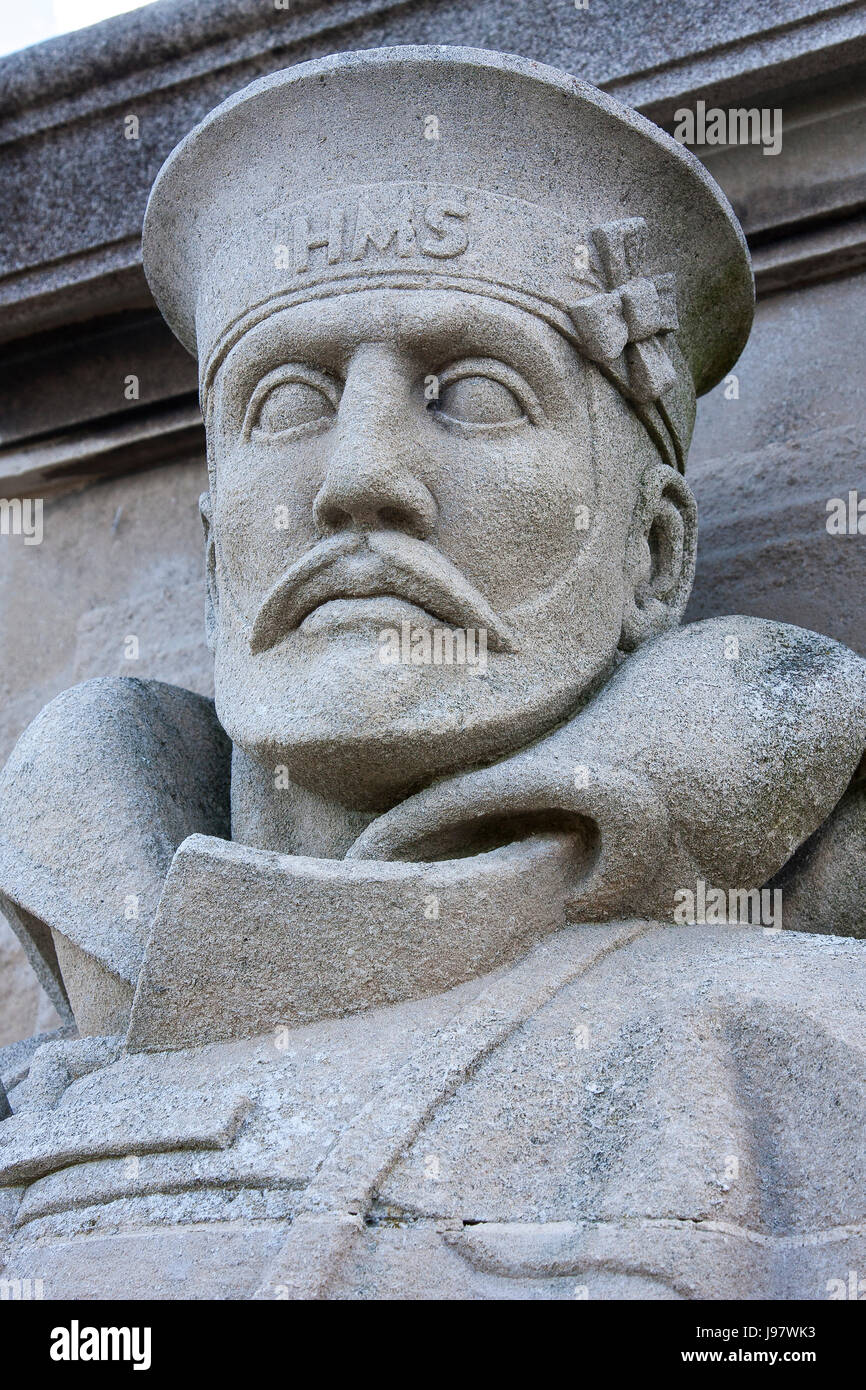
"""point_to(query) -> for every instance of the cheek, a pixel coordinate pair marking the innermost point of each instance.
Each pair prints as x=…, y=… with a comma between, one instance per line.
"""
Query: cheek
x=263, y=515
x=510, y=520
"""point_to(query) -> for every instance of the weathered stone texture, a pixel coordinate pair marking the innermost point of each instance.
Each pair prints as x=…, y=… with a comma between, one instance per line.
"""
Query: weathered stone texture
x=764, y=466
x=121, y=559
x=371, y=959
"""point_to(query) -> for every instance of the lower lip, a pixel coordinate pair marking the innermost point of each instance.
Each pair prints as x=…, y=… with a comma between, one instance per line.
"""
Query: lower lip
x=384, y=610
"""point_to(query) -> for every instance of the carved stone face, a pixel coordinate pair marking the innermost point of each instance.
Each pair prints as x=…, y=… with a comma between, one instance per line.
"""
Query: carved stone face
x=427, y=458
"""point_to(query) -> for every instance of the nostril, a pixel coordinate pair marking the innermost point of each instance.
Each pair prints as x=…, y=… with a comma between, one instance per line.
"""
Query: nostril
x=412, y=521
x=342, y=508
x=333, y=518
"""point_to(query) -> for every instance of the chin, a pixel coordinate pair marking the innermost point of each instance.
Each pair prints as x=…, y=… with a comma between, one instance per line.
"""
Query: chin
x=368, y=736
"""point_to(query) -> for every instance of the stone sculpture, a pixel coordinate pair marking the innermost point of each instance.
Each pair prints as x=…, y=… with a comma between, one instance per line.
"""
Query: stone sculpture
x=444, y=957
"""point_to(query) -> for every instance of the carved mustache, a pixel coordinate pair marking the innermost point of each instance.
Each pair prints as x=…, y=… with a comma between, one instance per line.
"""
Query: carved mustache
x=368, y=566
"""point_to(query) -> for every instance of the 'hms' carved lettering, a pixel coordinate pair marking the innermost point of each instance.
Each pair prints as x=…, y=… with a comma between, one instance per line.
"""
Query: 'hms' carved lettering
x=359, y=233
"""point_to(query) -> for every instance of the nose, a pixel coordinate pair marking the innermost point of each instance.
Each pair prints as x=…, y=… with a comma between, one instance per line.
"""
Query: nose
x=371, y=480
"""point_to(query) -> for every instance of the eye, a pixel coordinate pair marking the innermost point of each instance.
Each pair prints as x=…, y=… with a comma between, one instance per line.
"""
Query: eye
x=483, y=393
x=479, y=400
x=290, y=404
x=289, y=399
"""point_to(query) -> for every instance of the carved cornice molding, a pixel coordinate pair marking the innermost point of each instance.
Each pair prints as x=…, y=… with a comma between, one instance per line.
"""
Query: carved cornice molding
x=63, y=104
x=75, y=189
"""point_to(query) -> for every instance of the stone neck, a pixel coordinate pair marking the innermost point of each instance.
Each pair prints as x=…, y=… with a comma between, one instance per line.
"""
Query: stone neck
x=269, y=811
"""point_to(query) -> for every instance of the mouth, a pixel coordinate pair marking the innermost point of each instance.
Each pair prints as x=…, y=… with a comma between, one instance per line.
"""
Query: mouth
x=358, y=578
x=379, y=610
x=395, y=570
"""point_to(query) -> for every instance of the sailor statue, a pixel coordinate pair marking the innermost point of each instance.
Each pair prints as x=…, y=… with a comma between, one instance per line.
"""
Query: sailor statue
x=497, y=934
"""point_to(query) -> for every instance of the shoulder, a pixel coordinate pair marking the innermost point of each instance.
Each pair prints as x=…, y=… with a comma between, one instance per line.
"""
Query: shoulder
x=96, y=796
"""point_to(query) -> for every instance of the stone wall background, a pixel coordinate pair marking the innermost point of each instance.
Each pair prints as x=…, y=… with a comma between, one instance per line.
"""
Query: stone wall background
x=121, y=553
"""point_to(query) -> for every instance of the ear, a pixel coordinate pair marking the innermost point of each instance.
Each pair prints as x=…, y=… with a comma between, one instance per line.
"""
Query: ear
x=211, y=602
x=660, y=556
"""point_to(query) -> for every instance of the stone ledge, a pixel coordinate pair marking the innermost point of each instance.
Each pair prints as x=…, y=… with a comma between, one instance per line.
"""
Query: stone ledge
x=72, y=234
x=76, y=189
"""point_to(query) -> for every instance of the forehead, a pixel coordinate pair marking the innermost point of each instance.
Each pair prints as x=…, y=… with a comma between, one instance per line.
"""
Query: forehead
x=428, y=326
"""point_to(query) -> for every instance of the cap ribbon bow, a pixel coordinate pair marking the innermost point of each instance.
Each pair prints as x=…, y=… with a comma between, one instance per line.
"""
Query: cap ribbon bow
x=620, y=329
